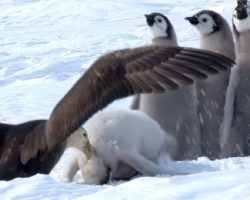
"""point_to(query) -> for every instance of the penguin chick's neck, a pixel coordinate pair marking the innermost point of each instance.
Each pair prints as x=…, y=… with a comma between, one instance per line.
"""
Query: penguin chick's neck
x=243, y=43
x=165, y=41
x=213, y=42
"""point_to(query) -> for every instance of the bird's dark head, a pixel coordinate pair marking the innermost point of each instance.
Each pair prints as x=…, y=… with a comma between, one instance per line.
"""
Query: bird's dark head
x=206, y=21
x=241, y=16
x=159, y=25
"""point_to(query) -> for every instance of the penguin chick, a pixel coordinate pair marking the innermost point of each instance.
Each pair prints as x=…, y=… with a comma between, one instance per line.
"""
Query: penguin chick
x=162, y=30
x=215, y=32
x=216, y=36
x=236, y=142
x=175, y=111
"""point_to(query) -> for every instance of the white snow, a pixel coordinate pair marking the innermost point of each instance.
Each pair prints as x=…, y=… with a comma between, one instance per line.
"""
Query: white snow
x=45, y=47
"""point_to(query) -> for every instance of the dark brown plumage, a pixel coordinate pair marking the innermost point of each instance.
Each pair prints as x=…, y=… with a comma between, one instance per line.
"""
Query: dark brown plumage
x=3, y=132
x=12, y=136
x=126, y=72
x=116, y=75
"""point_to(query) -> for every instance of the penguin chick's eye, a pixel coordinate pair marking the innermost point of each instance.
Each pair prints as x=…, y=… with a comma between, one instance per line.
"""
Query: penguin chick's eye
x=159, y=20
x=84, y=134
x=204, y=20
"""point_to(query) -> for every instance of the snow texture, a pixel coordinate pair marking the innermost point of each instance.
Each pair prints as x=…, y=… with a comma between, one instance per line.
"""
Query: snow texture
x=45, y=47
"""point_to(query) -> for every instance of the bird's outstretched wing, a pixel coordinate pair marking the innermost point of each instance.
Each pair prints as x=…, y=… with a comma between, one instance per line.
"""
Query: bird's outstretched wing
x=125, y=72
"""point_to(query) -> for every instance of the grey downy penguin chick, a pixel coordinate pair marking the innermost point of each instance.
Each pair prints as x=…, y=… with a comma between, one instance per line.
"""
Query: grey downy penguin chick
x=216, y=36
x=236, y=141
x=175, y=111
x=163, y=34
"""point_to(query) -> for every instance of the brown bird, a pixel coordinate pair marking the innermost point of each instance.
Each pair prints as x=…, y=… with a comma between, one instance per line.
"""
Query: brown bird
x=112, y=76
x=12, y=136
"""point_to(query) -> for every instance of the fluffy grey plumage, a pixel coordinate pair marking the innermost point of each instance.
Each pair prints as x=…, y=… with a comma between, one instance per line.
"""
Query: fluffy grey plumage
x=176, y=111
x=216, y=36
x=236, y=142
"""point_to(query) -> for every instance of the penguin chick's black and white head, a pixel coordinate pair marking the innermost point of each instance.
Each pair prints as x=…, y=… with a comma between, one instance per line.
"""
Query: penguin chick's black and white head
x=206, y=21
x=241, y=16
x=159, y=25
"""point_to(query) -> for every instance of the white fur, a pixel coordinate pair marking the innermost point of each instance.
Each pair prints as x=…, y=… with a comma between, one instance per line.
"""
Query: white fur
x=242, y=24
x=205, y=27
x=73, y=164
x=94, y=171
x=159, y=29
x=130, y=137
x=76, y=139
x=123, y=136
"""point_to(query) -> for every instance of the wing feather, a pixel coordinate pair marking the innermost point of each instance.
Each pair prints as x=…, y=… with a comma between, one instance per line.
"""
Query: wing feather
x=126, y=72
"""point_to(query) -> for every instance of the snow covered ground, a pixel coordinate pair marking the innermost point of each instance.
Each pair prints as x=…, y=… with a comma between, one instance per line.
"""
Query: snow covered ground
x=47, y=44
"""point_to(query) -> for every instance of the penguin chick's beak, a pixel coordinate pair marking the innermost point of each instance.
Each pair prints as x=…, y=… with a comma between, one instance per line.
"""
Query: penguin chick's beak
x=150, y=20
x=193, y=20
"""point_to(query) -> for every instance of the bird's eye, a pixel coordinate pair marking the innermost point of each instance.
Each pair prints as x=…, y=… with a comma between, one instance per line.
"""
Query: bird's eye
x=84, y=134
x=204, y=20
x=159, y=20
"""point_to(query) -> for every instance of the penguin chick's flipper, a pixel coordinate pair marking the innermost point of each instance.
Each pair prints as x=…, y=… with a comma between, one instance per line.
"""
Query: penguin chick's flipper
x=122, y=73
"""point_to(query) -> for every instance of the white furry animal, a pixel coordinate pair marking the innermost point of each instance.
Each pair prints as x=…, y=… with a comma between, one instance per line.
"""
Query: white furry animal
x=76, y=142
x=77, y=139
x=81, y=152
x=124, y=142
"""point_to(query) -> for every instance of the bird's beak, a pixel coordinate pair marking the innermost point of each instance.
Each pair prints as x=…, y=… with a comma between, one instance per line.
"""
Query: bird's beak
x=150, y=20
x=193, y=20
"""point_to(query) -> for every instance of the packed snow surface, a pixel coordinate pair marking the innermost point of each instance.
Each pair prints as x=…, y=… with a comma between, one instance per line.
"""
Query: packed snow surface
x=46, y=45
